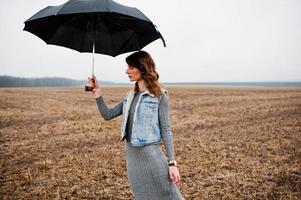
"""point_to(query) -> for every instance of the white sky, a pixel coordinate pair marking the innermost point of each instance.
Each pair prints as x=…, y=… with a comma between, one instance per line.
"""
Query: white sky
x=212, y=40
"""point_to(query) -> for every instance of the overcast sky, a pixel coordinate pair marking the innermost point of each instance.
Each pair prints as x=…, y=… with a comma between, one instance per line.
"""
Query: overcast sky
x=212, y=40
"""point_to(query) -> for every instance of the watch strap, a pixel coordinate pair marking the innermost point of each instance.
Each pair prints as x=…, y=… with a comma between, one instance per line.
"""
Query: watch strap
x=172, y=163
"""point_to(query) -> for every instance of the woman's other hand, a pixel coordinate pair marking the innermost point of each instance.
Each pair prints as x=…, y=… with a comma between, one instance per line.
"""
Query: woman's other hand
x=94, y=84
x=174, y=174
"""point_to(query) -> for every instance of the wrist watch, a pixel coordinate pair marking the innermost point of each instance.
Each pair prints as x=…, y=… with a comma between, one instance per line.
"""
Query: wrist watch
x=172, y=163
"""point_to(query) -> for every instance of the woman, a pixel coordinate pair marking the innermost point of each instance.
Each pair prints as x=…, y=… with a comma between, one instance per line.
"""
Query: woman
x=145, y=120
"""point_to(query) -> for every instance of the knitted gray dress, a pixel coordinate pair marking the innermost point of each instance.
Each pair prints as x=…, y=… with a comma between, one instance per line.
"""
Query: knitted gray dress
x=147, y=166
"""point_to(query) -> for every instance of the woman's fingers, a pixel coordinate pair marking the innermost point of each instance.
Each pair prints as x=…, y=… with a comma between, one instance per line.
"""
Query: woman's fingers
x=93, y=78
x=91, y=83
x=175, y=177
x=171, y=176
x=178, y=178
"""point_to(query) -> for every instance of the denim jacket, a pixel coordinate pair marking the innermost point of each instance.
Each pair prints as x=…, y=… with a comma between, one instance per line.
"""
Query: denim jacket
x=146, y=128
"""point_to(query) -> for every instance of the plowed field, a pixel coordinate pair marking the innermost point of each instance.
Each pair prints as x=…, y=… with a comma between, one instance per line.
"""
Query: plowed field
x=230, y=143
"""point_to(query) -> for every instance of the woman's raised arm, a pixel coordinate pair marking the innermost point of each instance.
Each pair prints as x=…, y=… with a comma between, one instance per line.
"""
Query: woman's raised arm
x=107, y=113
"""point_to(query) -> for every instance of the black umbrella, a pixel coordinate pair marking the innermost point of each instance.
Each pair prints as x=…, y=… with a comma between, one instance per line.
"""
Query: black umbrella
x=100, y=26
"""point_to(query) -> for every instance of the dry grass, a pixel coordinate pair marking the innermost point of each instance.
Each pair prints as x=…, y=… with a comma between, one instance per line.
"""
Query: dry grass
x=230, y=143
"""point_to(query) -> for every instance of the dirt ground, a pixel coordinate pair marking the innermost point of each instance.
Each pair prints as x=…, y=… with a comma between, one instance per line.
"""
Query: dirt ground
x=230, y=143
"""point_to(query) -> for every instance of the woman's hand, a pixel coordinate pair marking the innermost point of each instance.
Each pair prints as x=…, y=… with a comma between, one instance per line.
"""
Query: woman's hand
x=94, y=84
x=174, y=174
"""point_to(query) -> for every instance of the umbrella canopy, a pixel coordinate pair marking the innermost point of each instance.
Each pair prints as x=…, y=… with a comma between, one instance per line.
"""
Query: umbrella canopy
x=103, y=26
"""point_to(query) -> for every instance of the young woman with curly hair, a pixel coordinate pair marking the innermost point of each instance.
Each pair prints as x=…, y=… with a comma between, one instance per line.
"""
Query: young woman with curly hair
x=145, y=120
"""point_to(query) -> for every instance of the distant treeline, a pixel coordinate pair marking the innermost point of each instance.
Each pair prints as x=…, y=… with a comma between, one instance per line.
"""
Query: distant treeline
x=11, y=81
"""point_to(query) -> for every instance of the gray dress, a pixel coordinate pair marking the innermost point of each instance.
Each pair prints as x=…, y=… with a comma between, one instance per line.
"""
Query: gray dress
x=147, y=166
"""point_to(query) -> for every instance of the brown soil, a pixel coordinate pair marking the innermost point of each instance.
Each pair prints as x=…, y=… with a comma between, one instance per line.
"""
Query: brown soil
x=230, y=143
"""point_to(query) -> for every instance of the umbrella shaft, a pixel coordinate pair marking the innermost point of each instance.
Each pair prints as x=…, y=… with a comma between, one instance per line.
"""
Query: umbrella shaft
x=93, y=58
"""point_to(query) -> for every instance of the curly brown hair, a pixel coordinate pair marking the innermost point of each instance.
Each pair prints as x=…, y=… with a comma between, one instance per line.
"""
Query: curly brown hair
x=147, y=67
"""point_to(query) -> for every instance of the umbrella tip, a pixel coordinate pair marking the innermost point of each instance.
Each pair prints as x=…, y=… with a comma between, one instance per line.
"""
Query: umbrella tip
x=164, y=44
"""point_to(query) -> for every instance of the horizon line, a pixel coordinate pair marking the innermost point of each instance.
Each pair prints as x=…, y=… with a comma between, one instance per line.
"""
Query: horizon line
x=168, y=82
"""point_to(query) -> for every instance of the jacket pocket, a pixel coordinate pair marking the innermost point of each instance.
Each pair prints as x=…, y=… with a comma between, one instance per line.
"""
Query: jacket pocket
x=150, y=106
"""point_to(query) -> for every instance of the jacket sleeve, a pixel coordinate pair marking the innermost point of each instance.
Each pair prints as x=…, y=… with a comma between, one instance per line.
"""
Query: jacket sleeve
x=109, y=113
x=165, y=127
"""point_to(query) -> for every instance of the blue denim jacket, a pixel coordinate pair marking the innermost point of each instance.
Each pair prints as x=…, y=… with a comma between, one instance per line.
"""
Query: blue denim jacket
x=146, y=128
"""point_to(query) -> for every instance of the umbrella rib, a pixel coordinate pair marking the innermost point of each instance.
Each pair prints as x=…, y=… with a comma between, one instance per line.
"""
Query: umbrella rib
x=82, y=43
x=125, y=43
x=60, y=27
x=104, y=28
x=107, y=5
x=120, y=25
x=164, y=44
x=112, y=41
x=63, y=5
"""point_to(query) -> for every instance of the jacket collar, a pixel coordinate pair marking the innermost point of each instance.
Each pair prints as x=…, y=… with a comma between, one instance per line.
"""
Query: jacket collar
x=144, y=92
x=131, y=92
